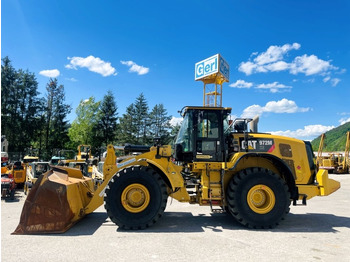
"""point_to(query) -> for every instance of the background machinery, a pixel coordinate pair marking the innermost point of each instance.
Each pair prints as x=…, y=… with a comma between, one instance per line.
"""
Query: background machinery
x=36, y=169
x=336, y=162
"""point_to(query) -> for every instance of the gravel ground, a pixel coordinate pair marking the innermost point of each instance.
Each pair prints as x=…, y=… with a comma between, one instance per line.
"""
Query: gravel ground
x=319, y=231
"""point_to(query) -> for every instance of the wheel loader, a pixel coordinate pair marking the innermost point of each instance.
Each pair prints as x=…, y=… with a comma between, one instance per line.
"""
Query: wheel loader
x=225, y=165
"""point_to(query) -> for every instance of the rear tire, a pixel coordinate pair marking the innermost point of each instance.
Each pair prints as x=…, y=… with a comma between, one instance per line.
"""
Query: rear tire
x=136, y=197
x=258, y=198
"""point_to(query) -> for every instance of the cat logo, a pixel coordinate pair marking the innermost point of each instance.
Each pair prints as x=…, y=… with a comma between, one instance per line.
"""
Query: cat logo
x=257, y=145
x=251, y=144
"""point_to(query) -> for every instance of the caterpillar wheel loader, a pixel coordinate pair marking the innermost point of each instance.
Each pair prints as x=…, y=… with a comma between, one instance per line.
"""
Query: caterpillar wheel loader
x=216, y=163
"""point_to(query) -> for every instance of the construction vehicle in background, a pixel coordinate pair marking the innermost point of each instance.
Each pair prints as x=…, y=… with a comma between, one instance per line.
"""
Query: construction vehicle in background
x=326, y=162
x=97, y=171
x=8, y=185
x=55, y=160
x=84, y=153
x=36, y=169
x=343, y=161
x=334, y=162
x=223, y=164
x=18, y=172
x=62, y=157
x=82, y=161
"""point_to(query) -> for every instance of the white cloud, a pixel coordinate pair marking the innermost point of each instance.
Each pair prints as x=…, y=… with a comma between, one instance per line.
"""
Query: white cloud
x=93, y=64
x=279, y=107
x=309, y=65
x=274, y=87
x=140, y=70
x=344, y=120
x=278, y=66
x=72, y=79
x=273, y=60
x=308, y=132
x=247, y=67
x=174, y=121
x=252, y=111
x=326, y=79
x=275, y=53
x=50, y=73
x=241, y=84
x=335, y=81
x=270, y=60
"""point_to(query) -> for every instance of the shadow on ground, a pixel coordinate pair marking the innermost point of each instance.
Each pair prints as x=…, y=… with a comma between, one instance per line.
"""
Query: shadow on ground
x=185, y=222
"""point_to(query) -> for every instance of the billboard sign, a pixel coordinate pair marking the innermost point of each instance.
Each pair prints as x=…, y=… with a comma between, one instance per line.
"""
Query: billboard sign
x=210, y=66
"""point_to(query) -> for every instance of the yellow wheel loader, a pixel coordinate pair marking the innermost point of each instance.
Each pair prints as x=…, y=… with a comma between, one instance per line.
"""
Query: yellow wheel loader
x=216, y=162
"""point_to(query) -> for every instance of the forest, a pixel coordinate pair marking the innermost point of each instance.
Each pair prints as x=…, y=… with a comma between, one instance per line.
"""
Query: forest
x=35, y=123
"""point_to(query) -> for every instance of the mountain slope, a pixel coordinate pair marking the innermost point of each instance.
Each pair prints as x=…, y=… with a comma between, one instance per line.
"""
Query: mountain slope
x=335, y=139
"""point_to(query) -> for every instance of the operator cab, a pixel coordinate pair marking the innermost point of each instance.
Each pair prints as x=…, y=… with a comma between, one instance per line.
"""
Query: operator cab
x=202, y=134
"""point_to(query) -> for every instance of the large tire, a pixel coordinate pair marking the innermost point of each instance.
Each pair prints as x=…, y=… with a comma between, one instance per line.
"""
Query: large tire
x=258, y=198
x=136, y=197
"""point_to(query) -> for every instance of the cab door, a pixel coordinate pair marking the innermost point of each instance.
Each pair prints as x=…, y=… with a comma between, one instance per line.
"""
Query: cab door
x=209, y=136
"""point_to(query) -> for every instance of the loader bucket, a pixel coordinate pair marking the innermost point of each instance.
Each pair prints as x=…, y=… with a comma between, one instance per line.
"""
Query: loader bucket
x=56, y=202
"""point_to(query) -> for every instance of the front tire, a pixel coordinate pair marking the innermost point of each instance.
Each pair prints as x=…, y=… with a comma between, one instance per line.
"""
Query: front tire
x=136, y=197
x=258, y=198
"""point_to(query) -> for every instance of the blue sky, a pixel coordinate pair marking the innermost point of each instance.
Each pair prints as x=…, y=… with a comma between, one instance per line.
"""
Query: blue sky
x=289, y=60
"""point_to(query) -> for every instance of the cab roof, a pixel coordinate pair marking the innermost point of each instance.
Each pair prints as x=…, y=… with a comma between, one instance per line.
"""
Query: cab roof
x=186, y=108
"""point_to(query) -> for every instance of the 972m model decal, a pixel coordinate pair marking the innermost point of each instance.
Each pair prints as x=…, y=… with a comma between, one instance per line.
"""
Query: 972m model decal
x=257, y=144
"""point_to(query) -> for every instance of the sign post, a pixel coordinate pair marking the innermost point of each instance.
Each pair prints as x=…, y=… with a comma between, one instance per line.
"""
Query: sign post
x=213, y=70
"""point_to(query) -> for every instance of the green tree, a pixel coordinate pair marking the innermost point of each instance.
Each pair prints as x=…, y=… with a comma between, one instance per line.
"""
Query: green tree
x=30, y=106
x=128, y=128
x=107, y=117
x=83, y=126
x=56, y=111
x=9, y=112
x=20, y=106
x=141, y=119
x=159, y=125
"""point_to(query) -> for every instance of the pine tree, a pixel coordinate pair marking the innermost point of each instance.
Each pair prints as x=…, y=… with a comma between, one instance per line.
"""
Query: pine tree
x=20, y=106
x=128, y=129
x=56, y=111
x=8, y=102
x=107, y=117
x=30, y=106
x=159, y=123
x=141, y=120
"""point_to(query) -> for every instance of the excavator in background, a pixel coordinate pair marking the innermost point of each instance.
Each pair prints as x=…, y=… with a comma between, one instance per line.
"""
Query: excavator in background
x=216, y=162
